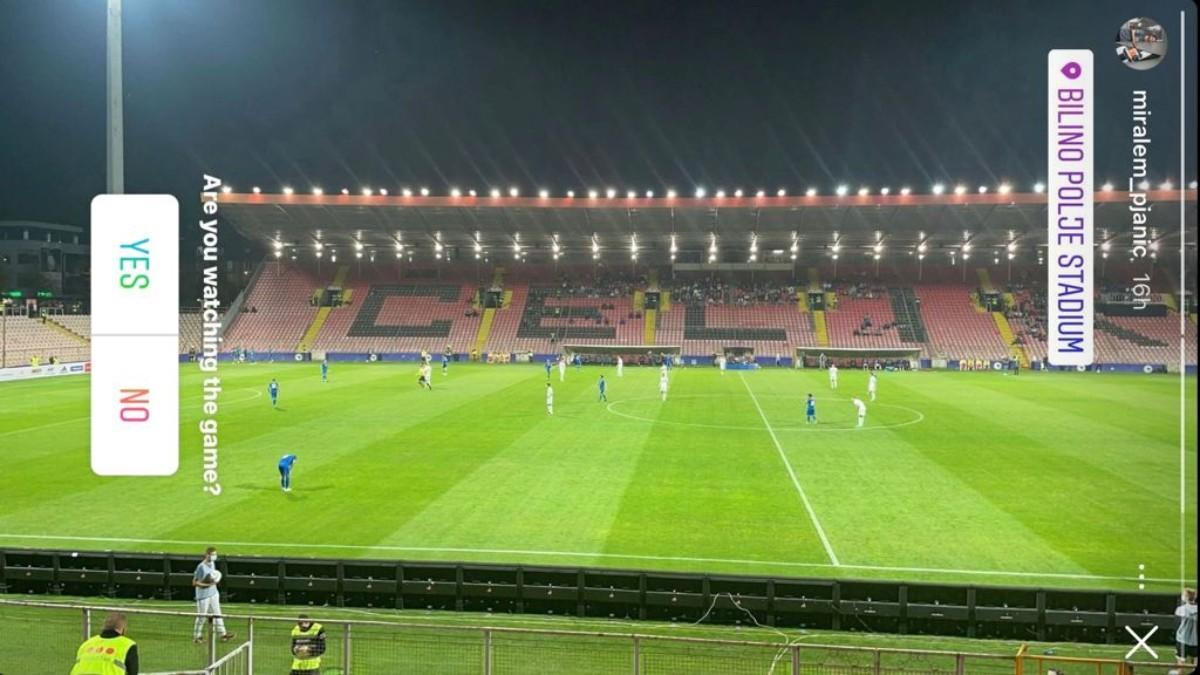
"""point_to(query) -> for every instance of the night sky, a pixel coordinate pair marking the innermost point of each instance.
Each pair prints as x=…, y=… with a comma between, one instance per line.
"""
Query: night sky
x=557, y=94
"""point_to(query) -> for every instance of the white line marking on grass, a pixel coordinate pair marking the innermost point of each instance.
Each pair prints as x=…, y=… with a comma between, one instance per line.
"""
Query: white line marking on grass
x=791, y=472
x=47, y=425
x=575, y=554
x=25, y=430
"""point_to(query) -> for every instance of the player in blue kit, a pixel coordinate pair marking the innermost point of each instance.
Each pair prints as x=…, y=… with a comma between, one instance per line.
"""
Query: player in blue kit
x=273, y=391
x=445, y=362
x=810, y=411
x=549, y=368
x=285, y=472
x=325, y=369
x=602, y=386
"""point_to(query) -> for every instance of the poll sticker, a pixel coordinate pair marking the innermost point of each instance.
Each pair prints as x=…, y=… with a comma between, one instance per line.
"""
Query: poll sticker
x=135, y=327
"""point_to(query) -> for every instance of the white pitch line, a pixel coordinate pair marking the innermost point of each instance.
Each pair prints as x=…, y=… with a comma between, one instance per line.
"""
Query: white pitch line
x=574, y=554
x=791, y=472
x=25, y=430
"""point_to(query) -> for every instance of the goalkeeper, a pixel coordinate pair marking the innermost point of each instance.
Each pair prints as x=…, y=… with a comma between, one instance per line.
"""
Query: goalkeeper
x=308, y=644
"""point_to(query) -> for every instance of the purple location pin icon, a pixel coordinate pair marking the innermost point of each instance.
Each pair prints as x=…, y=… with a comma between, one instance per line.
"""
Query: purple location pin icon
x=1072, y=70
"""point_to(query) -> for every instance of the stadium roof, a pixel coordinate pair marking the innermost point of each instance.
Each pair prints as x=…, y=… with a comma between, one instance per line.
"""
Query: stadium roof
x=986, y=218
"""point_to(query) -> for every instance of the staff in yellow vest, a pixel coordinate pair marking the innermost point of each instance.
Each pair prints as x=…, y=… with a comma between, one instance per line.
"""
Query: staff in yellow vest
x=308, y=644
x=110, y=652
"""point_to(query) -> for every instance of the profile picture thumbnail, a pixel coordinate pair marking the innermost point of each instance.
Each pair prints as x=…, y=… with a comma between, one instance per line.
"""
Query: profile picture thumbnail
x=1141, y=43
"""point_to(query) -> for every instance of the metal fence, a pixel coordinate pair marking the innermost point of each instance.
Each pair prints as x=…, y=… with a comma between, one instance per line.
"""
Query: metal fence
x=263, y=644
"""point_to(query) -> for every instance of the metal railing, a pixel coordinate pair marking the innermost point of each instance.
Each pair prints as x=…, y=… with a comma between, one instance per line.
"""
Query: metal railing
x=373, y=646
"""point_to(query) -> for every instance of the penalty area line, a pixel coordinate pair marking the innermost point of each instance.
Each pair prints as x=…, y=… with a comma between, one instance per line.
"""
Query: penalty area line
x=576, y=554
x=812, y=515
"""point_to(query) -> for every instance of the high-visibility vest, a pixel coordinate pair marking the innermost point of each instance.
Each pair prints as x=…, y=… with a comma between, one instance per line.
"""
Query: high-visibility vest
x=102, y=656
x=309, y=638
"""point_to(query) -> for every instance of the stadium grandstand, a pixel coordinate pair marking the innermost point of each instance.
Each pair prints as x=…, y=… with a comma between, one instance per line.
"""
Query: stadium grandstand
x=950, y=277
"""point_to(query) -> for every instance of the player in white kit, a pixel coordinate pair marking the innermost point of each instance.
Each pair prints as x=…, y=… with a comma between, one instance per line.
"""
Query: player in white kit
x=620, y=367
x=663, y=385
x=832, y=376
x=721, y=363
x=871, y=382
x=549, y=399
x=862, y=410
x=562, y=368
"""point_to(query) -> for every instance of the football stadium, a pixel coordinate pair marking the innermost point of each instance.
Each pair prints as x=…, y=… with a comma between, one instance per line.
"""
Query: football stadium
x=759, y=425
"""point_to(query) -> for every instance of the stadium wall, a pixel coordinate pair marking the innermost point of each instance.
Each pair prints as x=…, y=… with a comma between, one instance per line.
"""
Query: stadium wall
x=1059, y=615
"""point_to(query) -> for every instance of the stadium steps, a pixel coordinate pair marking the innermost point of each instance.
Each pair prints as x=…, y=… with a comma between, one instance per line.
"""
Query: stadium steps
x=1168, y=299
x=814, y=279
x=975, y=302
x=485, y=328
x=313, y=330
x=907, y=314
x=83, y=339
x=639, y=300
x=1192, y=316
x=820, y=328
x=498, y=278
x=339, y=279
x=1128, y=334
x=802, y=301
x=506, y=301
x=347, y=295
x=985, y=280
x=664, y=301
x=649, y=326
x=1017, y=351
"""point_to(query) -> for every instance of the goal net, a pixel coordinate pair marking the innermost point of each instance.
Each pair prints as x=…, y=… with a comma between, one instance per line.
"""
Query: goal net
x=631, y=355
x=887, y=357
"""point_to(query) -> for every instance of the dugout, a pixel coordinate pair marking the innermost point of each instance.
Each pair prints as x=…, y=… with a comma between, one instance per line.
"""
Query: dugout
x=888, y=357
x=632, y=355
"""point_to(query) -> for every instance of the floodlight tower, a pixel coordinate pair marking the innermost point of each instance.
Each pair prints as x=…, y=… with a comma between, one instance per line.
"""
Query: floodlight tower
x=114, y=108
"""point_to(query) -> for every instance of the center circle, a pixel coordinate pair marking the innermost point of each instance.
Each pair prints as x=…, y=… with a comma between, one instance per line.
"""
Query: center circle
x=915, y=416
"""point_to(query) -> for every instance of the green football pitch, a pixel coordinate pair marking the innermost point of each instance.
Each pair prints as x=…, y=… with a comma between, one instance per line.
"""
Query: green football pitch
x=1062, y=479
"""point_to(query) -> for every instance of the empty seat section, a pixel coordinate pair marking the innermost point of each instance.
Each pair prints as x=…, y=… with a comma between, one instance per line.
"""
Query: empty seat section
x=956, y=328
